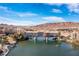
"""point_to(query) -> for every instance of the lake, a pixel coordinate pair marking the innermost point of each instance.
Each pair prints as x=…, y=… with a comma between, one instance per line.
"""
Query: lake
x=40, y=48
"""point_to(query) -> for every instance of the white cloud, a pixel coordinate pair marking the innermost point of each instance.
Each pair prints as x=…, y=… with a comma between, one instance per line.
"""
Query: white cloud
x=10, y=21
x=73, y=7
x=8, y=11
x=54, y=19
x=57, y=4
x=56, y=10
x=3, y=8
x=15, y=22
x=24, y=17
x=26, y=20
x=26, y=14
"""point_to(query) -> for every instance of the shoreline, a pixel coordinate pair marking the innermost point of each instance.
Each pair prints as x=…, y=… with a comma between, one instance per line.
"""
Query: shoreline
x=7, y=49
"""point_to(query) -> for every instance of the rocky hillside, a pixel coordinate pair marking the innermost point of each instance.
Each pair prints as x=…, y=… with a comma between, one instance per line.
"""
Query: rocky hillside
x=52, y=26
x=46, y=26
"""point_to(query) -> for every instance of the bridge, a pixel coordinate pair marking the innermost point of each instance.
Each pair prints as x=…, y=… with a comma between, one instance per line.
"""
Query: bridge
x=43, y=34
x=68, y=33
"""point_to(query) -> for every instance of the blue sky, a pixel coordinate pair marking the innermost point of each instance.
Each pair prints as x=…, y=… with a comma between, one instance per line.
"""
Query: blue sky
x=38, y=13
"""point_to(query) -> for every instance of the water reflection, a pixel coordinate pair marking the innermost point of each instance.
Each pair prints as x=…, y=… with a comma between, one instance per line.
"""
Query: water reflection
x=52, y=48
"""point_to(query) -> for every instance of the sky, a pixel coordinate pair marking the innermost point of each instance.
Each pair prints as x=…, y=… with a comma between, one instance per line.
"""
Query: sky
x=28, y=14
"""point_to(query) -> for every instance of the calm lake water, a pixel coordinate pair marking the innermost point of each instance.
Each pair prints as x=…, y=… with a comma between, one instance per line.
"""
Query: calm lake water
x=40, y=48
